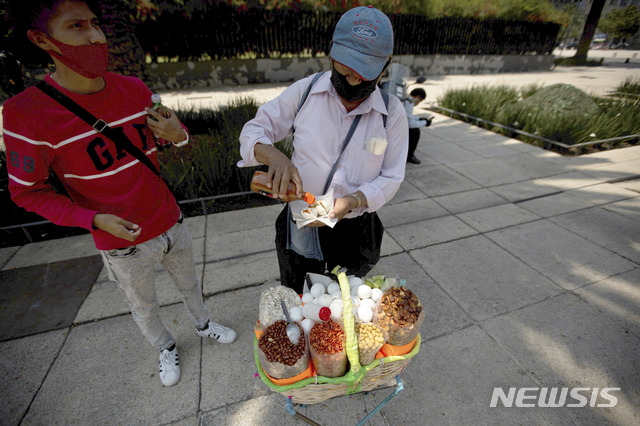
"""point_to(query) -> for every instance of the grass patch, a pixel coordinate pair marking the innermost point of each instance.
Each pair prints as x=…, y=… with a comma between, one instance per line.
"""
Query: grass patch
x=559, y=113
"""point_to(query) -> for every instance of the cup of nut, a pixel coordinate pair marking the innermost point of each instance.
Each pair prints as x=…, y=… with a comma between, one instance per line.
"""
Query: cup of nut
x=371, y=337
x=327, y=348
x=279, y=357
x=399, y=313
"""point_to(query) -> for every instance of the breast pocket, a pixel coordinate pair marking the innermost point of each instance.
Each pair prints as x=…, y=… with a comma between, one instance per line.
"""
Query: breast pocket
x=367, y=162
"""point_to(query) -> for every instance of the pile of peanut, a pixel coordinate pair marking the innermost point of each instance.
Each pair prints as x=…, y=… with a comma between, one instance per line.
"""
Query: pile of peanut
x=326, y=337
x=277, y=347
x=369, y=337
x=399, y=306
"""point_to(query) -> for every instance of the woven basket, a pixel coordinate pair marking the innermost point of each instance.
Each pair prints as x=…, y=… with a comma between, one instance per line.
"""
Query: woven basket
x=380, y=373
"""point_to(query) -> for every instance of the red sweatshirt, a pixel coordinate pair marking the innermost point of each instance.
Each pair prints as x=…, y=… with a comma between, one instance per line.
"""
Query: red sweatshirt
x=40, y=133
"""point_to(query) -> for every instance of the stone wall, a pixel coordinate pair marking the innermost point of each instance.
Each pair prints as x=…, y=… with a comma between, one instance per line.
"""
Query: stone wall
x=189, y=75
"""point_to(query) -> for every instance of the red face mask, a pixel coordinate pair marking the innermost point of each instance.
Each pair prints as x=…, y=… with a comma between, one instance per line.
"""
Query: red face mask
x=88, y=60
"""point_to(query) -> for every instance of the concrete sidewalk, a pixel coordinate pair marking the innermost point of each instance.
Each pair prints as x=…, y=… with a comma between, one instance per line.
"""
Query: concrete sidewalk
x=527, y=262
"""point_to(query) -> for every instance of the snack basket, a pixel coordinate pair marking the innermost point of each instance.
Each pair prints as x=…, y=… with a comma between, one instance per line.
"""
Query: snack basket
x=380, y=373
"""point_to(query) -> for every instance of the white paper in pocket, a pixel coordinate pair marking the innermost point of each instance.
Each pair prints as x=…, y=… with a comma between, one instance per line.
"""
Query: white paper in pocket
x=375, y=146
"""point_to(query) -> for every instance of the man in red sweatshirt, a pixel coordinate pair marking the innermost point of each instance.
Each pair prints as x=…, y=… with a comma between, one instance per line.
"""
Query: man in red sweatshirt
x=133, y=217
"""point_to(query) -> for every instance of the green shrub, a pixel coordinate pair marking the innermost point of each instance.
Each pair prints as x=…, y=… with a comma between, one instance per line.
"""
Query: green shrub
x=560, y=113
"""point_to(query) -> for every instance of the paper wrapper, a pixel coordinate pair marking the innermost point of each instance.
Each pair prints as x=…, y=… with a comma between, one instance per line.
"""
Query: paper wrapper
x=298, y=205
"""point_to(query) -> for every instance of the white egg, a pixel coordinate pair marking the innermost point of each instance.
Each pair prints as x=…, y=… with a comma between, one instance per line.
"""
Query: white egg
x=321, y=208
x=309, y=214
x=317, y=290
x=368, y=302
x=315, y=301
x=336, y=309
x=324, y=300
x=364, y=291
x=336, y=295
x=376, y=294
x=295, y=314
x=307, y=298
x=355, y=282
x=307, y=325
x=333, y=287
x=365, y=313
x=355, y=301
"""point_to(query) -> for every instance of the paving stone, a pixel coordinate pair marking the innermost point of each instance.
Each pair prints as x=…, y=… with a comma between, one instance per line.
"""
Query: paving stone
x=629, y=208
x=407, y=192
x=451, y=381
x=439, y=180
x=240, y=220
x=447, y=153
x=114, y=372
x=196, y=226
x=482, y=278
x=389, y=245
x=567, y=181
x=631, y=185
x=604, y=193
x=428, y=232
x=265, y=410
x=410, y=211
x=240, y=243
x=556, y=204
x=520, y=191
x=106, y=300
x=488, y=148
x=24, y=364
x=53, y=251
x=618, y=298
x=6, y=254
x=533, y=165
x=240, y=272
x=228, y=370
x=613, y=231
x=560, y=255
x=497, y=217
x=564, y=342
x=489, y=172
x=469, y=201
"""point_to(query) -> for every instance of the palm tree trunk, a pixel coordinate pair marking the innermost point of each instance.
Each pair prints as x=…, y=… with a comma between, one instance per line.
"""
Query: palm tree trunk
x=589, y=30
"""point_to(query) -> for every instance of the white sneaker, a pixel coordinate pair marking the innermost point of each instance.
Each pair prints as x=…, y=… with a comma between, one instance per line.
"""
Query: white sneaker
x=218, y=332
x=169, y=366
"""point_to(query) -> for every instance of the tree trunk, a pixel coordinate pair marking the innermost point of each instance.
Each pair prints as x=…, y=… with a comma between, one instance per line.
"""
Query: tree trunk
x=126, y=55
x=589, y=30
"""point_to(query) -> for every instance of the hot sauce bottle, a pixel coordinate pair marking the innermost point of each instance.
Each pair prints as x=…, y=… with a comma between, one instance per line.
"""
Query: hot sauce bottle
x=259, y=185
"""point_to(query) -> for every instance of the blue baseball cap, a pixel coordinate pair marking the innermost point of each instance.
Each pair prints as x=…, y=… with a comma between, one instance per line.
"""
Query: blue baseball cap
x=363, y=41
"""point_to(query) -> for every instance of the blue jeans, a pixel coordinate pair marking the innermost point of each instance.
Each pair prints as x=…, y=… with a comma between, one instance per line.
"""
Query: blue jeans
x=133, y=269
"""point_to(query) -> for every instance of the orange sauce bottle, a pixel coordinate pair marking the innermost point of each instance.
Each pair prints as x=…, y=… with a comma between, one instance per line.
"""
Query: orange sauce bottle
x=259, y=185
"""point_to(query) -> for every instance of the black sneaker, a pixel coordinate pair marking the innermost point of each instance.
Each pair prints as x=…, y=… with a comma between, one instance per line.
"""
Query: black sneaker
x=413, y=159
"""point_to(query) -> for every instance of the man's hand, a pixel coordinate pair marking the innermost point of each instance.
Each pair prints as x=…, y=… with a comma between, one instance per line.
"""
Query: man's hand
x=117, y=226
x=342, y=206
x=281, y=170
x=165, y=128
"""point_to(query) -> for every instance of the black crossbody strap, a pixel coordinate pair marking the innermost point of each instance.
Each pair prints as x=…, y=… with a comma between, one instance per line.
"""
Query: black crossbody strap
x=116, y=135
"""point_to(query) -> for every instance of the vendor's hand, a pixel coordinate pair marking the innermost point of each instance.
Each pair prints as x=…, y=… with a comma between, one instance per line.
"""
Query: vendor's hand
x=165, y=128
x=342, y=206
x=117, y=226
x=281, y=172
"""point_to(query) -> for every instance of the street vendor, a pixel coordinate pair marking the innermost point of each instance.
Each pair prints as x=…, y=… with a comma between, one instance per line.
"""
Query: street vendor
x=348, y=137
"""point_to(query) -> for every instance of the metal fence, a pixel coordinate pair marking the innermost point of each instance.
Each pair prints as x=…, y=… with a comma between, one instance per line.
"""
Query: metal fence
x=224, y=32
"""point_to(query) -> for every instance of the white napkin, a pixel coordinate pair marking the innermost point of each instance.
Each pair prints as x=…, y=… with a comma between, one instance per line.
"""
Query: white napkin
x=298, y=205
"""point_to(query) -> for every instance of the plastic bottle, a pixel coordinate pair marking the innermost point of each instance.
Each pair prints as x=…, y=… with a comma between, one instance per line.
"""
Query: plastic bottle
x=259, y=185
x=156, y=100
x=316, y=312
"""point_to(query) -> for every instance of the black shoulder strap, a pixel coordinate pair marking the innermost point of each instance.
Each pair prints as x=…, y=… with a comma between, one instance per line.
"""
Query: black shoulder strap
x=116, y=135
x=385, y=98
x=306, y=92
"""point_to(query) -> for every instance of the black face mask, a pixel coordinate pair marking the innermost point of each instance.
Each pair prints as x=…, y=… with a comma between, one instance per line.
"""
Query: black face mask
x=348, y=92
